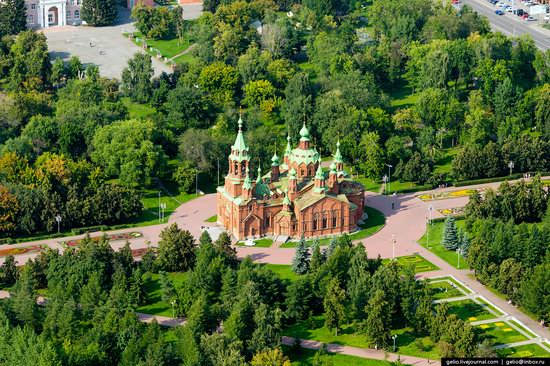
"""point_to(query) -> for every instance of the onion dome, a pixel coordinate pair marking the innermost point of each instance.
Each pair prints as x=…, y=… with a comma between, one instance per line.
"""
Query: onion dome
x=275, y=160
x=304, y=133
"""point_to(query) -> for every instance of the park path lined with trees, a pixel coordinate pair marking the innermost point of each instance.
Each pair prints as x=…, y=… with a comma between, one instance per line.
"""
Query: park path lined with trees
x=405, y=223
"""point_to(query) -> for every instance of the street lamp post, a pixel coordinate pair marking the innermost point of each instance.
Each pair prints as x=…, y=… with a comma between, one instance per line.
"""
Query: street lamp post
x=511, y=166
x=458, y=258
x=196, y=182
x=159, y=206
x=173, y=302
x=430, y=208
x=58, y=219
x=385, y=180
x=389, y=177
x=394, y=339
x=393, y=246
x=163, y=207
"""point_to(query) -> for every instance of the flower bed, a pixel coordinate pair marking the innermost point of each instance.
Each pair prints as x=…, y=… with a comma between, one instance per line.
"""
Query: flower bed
x=111, y=237
x=446, y=195
x=21, y=250
x=138, y=252
x=456, y=211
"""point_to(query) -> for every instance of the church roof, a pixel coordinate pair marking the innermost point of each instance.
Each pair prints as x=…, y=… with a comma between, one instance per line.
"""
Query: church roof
x=304, y=133
x=309, y=156
x=275, y=160
x=338, y=154
x=239, y=148
x=288, y=148
x=247, y=182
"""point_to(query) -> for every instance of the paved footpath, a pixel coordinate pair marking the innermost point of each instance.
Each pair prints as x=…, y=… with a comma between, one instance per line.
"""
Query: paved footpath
x=407, y=223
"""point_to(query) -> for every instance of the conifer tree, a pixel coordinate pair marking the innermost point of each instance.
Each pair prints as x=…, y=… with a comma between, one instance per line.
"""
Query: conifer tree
x=334, y=306
x=300, y=262
x=450, y=235
x=205, y=238
x=8, y=271
x=99, y=12
x=464, y=243
x=332, y=245
x=377, y=323
x=13, y=17
x=316, y=257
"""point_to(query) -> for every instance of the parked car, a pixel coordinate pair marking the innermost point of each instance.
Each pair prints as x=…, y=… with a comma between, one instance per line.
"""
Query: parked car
x=508, y=9
x=525, y=16
x=547, y=17
x=499, y=12
x=519, y=12
x=500, y=4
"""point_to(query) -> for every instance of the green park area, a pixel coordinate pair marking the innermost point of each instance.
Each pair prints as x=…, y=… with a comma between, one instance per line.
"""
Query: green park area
x=262, y=243
x=305, y=357
x=284, y=271
x=432, y=238
x=444, y=290
x=373, y=224
x=155, y=304
x=528, y=350
x=469, y=310
x=500, y=333
x=420, y=263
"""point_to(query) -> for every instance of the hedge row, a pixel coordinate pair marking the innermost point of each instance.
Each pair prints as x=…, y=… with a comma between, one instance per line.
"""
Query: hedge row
x=496, y=179
x=442, y=219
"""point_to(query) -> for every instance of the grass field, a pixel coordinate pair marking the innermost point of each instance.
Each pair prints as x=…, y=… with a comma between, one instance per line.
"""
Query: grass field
x=284, y=271
x=443, y=164
x=212, y=219
x=444, y=290
x=434, y=234
x=375, y=222
x=420, y=263
x=262, y=243
x=305, y=358
x=167, y=47
x=137, y=110
x=468, y=310
x=155, y=305
x=500, y=333
x=528, y=350
x=369, y=184
x=150, y=200
x=403, y=96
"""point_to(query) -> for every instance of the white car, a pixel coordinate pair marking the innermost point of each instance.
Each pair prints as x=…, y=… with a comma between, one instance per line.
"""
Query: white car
x=547, y=17
x=500, y=4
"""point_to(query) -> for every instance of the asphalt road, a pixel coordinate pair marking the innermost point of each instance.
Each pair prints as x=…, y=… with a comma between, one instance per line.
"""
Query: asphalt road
x=511, y=24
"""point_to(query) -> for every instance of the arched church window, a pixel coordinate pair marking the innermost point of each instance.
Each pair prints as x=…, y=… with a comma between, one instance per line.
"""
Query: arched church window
x=315, y=218
x=236, y=168
x=334, y=218
x=325, y=220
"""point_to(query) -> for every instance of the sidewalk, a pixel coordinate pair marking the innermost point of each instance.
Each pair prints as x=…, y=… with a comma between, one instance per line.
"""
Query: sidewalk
x=362, y=352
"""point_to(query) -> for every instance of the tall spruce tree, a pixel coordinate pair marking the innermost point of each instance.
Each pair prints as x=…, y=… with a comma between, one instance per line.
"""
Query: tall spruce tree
x=335, y=311
x=317, y=258
x=450, y=234
x=13, y=17
x=300, y=262
x=99, y=12
x=377, y=323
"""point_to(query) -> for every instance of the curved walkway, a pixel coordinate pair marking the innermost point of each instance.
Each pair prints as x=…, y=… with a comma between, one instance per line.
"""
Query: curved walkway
x=407, y=223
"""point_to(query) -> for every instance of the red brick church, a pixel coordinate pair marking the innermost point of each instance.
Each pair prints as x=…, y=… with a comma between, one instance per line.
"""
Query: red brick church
x=296, y=198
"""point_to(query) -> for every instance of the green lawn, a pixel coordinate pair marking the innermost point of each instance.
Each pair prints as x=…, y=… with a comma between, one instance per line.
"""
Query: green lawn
x=443, y=164
x=137, y=110
x=155, y=306
x=186, y=58
x=403, y=96
x=262, y=243
x=435, y=234
x=284, y=271
x=500, y=334
x=305, y=358
x=444, y=290
x=468, y=309
x=374, y=223
x=167, y=47
x=420, y=263
x=528, y=350
x=369, y=184
x=150, y=200
x=410, y=344
x=212, y=219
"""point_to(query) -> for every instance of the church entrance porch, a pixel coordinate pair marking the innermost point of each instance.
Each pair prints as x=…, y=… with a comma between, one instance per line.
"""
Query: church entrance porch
x=53, y=16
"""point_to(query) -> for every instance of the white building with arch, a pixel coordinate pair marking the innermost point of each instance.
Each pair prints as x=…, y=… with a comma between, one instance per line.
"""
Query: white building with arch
x=52, y=13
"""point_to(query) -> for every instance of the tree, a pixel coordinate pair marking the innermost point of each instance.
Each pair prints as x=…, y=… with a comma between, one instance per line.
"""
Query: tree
x=74, y=68
x=9, y=208
x=267, y=334
x=334, y=306
x=126, y=149
x=300, y=262
x=176, y=251
x=99, y=12
x=13, y=17
x=187, y=107
x=535, y=291
x=31, y=66
x=317, y=258
x=272, y=357
x=200, y=318
x=370, y=155
x=450, y=235
x=58, y=71
x=219, y=82
x=8, y=271
x=185, y=176
x=167, y=290
x=136, y=78
x=24, y=300
x=223, y=247
x=298, y=103
x=377, y=323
